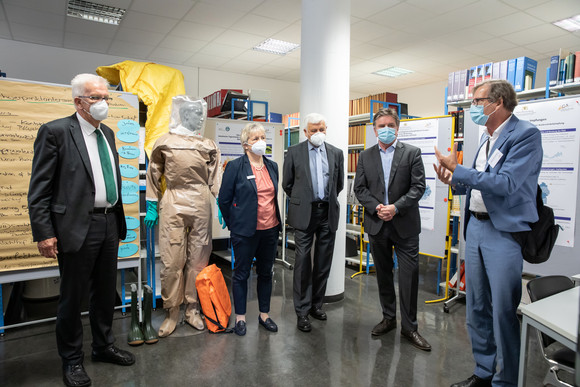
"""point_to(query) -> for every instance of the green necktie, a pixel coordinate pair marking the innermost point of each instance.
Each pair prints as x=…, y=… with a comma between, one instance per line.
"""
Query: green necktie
x=106, y=167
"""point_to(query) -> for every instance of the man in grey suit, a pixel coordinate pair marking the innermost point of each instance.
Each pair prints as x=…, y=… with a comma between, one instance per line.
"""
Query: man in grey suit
x=390, y=180
x=76, y=216
x=313, y=177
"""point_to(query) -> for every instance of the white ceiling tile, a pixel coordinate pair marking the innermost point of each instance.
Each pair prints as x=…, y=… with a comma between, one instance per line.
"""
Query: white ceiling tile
x=535, y=34
x=85, y=27
x=52, y=6
x=36, y=34
x=553, y=45
x=366, y=51
x=509, y=54
x=289, y=61
x=4, y=30
x=146, y=22
x=365, y=8
x=367, y=66
x=284, y=10
x=162, y=54
x=509, y=24
x=555, y=10
x=130, y=49
x=196, y=31
x=245, y=5
x=239, y=66
x=239, y=39
x=213, y=14
x=221, y=50
x=290, y=34
x=90, y=43
x=487, y=47
x=179, y=43
x=402, y=16
x=259, y=57
x=139, y=36
x=437, y=7
x=34, y=17
x=206, y=61
x=271, y=71
x=259, y=25
x=168, y=8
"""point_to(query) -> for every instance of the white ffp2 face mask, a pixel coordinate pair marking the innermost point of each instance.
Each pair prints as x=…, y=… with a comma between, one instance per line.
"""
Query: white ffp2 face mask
x=99, y=111
x=259, y=148
x=318, y=138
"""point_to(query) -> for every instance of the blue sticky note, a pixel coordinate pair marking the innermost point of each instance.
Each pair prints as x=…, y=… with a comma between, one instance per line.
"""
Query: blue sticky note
x=128, y=250
x=128, y=131
x=129, y=192
x=131, y=236
x=131, y=222
x=129, y=152
x=128, y=171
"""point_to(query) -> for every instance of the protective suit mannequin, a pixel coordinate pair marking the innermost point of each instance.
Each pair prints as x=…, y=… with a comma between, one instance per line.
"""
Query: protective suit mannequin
x=191, y=166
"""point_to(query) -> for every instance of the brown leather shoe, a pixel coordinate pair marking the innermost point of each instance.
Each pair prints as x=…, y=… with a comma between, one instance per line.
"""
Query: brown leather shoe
x=473, y=381
x=416, y=339
x=386, y=325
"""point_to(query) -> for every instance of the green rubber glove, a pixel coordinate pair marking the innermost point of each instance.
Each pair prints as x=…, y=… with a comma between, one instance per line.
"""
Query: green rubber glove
x=152, y=216
x=220, y=217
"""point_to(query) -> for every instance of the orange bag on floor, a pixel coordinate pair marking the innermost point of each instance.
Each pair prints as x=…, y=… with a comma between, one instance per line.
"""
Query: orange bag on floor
x=214, y=299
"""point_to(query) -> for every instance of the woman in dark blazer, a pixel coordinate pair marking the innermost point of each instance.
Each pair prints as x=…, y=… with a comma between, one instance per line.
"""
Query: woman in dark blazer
x=249, y=206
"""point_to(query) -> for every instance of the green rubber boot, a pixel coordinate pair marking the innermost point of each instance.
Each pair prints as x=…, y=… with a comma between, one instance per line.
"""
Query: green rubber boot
x=135, y=336
x=148, y=331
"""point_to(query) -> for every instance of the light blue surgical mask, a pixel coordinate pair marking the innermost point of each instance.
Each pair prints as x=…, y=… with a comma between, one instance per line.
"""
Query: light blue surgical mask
x=387, y=135
x=477, y=114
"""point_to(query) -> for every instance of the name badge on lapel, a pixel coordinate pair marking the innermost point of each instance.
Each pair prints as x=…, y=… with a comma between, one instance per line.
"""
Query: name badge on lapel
x=495, y=157
x=250, y=177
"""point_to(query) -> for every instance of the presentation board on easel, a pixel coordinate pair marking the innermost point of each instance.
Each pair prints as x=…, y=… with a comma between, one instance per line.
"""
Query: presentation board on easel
x=24, y=107
x=559, y=122
x=425, y=134
x=226, y=134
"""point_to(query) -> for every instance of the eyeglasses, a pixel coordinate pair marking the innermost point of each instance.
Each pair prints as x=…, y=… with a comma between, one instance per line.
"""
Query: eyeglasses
x=476, y=101
x=94, y=98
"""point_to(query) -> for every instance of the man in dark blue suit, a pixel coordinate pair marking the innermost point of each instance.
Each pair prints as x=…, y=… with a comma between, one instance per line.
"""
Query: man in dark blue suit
x=501, y=188
x=313, y=178
x=76, y=215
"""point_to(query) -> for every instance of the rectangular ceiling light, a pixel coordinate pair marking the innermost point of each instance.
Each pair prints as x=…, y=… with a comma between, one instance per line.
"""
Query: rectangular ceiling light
x=278, y=47
x=95, y=12
x=393, y=72
x=571, y=24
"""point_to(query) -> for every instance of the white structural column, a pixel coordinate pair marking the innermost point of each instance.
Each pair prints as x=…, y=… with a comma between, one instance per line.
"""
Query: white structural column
x=324, y=89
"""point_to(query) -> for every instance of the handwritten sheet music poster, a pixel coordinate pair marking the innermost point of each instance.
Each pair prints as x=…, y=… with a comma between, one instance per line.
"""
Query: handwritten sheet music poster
x=24, y=107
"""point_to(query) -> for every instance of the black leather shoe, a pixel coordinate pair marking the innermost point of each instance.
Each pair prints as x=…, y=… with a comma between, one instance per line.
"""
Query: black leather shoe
x=269, y=324
x=384, y=326
x=318, y=313
x=74, y=375
x=304, y=324
x=473, y=381
x=114, y=355
x=416, y=339
x=240, y=328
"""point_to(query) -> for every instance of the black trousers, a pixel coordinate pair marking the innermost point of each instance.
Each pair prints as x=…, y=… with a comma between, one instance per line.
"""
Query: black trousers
x=92, y=268
x=311, y=273
x=263, y=246
x=407, y=250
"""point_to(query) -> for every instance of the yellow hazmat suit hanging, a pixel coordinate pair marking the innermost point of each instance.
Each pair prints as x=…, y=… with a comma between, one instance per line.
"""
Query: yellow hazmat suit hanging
x=191, y=166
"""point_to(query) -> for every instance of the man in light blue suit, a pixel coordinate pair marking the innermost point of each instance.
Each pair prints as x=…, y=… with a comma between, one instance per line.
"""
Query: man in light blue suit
x=501, y=188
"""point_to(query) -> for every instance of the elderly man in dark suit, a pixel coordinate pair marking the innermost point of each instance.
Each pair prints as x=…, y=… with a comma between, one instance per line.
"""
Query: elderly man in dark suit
x=76, y=215
x=313, y=178
x=390, y=180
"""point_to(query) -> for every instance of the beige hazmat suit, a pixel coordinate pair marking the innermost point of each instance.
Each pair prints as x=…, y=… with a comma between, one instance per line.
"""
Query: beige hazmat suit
x=190, y=164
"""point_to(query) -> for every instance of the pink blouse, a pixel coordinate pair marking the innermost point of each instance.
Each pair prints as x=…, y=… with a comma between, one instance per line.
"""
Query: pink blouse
x=266, y=199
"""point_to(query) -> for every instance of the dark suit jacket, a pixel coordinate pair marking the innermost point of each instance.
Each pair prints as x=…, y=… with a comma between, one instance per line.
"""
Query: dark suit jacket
x=238, y=196
x=297, y=182
x=61, y=196
x=406, y=187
